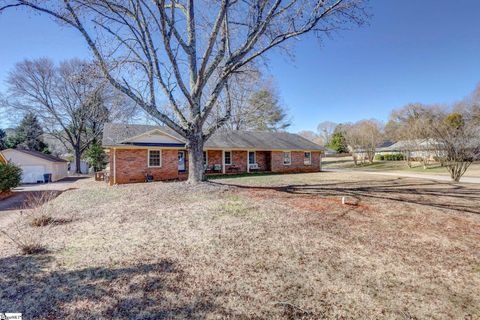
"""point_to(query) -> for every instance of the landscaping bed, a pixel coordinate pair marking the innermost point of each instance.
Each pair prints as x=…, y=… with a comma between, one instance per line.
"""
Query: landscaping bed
x=5, y=194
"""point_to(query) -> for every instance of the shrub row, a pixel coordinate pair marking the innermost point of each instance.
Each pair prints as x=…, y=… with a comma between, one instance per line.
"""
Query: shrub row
x=390, y=157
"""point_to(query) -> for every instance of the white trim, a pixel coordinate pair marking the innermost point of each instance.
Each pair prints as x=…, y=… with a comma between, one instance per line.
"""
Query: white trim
x=254, y=157
x=160, y=158
x=184, y=161
x=290, y=158
x=223, y=161
x=205, y=161
x=114, y=166
x=248, y=166
x=309, y=163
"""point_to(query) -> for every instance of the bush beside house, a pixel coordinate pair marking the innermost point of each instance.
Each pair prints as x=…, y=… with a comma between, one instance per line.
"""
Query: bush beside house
x=10, y=177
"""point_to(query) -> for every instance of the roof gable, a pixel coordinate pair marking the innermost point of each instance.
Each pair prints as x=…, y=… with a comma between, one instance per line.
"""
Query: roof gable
x=154, y=136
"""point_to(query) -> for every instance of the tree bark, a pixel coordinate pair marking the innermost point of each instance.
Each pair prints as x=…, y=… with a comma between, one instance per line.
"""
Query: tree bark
x=196, y=171
x=78, y=156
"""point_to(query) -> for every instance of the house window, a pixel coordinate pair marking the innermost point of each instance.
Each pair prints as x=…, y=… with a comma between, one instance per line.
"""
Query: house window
x=227, y=157
x=307, y=158
x=251, y=157
x=154, y=158
x=205, y=159
x=287, y=158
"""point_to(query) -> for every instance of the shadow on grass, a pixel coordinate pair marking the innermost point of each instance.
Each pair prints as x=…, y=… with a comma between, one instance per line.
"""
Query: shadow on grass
x=143, y=291
x=251, y=175
x=441, y=195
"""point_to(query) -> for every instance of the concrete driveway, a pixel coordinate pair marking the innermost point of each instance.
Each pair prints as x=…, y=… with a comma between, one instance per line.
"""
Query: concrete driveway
x=19, y=199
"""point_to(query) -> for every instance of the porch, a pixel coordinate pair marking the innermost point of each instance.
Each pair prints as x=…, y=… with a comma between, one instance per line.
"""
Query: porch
x=220, y=162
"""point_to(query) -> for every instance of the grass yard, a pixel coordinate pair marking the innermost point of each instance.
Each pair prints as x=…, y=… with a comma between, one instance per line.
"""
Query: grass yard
x=394, y=166
x=274, y=246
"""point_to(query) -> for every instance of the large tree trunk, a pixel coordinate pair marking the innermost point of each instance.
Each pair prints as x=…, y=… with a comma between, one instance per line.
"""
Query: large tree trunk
x=78, y=156
x=458, y=169
x=196, y=171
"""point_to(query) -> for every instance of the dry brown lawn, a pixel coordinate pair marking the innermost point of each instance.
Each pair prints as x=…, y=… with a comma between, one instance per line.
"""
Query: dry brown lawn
x=279, y=246
x=396, y=166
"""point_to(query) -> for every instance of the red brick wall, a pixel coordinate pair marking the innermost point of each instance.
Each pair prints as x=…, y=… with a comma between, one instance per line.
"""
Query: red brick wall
x=297, y=164
x=214, y=157
x=239, y=160
x=132, y=165
x=263, y=159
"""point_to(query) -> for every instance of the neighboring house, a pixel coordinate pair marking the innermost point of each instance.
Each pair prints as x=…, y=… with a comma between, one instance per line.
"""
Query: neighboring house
x=84, y=166
x=330, y=152
x=138, y=151
x=35, y=164
x=363, y=154
x=419, y=148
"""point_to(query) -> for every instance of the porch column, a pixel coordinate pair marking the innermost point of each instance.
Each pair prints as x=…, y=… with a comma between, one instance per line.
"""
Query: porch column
x=248, y=164
x=223, y=161
x=114, y=166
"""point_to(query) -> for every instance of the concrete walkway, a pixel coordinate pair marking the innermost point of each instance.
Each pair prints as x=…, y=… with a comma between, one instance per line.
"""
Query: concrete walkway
x=409, y=175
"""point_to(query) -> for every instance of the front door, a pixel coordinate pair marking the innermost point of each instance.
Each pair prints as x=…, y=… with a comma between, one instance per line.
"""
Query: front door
x=181, y=160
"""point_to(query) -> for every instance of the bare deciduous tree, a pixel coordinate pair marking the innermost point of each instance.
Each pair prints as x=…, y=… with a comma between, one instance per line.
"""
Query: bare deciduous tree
x=363, y=137
x=312, y=136
x=326, y=129
x=458, y=137
x=409, y=125
x=187, y=51
x=71, y=100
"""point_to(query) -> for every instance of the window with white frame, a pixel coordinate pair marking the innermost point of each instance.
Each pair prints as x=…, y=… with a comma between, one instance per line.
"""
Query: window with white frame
x=287, y=158
x=154, y=158
x=252, y=157
x=307, y=158
x=205, y=158
x=227, y=157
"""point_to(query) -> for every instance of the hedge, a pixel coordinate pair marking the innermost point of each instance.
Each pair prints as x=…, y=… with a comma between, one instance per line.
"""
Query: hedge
x=390, y=157
x=10, y=176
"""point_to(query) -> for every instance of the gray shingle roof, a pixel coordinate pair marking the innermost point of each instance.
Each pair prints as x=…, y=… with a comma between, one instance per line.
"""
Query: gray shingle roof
x=40, y=155
x=412, y=145
x=116, y=134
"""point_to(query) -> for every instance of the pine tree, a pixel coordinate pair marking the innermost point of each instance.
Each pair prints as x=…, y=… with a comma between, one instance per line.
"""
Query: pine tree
x=28, y=135
x=3, y=142
x=338, y=143
x=96, y=157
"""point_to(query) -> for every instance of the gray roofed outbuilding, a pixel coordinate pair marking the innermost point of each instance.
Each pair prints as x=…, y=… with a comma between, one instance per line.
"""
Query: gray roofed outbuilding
x=40, y=155
x=117, y=134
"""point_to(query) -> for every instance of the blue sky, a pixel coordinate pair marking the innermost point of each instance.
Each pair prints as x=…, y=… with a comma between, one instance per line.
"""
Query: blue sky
x=412, y=51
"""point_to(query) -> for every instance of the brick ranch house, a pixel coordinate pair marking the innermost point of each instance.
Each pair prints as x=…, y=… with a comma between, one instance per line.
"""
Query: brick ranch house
x=141, y=152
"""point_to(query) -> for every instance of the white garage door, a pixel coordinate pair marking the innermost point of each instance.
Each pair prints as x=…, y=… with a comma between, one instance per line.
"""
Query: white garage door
x=32, y=174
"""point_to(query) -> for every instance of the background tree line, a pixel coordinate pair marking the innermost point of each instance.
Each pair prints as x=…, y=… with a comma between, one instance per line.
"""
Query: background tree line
x=451, y=133
x=65, y=106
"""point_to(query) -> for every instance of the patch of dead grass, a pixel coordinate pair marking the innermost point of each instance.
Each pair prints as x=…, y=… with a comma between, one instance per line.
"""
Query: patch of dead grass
x=286, y=248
